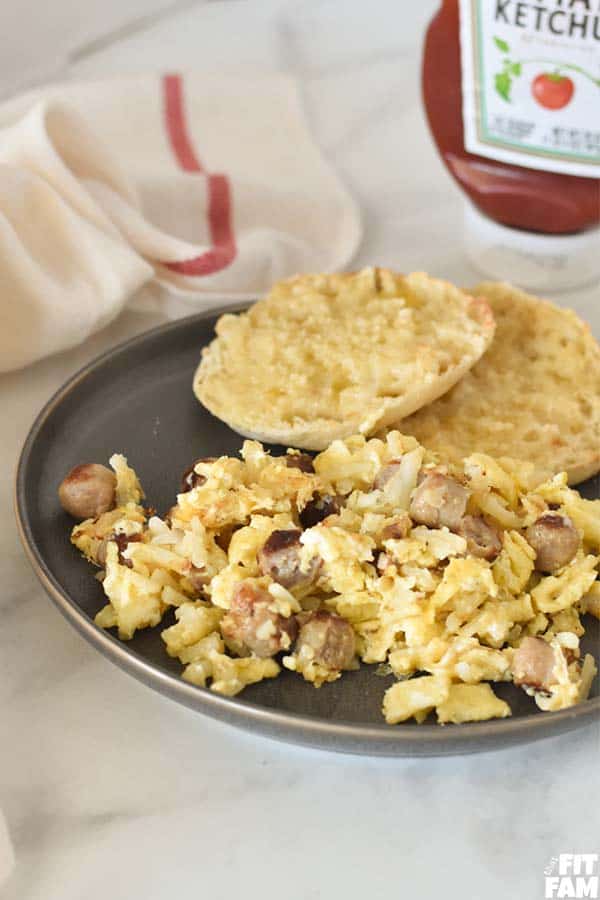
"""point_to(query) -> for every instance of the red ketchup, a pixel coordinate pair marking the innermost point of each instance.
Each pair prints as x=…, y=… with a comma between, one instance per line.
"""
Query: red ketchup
x=512, y=95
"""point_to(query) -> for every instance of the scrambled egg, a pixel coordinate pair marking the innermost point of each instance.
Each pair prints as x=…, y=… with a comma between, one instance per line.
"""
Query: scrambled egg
x=444, y=621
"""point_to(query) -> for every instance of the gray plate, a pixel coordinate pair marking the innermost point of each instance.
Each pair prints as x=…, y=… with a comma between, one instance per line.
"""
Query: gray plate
x=137, y=399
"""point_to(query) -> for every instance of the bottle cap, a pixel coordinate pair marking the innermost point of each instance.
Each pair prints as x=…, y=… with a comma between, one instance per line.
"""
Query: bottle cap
x=548, y=262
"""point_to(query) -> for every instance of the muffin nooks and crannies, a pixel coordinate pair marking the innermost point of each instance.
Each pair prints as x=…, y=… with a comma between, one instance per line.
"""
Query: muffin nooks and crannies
x=326, y=356
x=534, y=395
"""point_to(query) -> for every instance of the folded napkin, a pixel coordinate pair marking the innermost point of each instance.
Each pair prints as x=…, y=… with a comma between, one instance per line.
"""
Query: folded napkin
x=204, y=183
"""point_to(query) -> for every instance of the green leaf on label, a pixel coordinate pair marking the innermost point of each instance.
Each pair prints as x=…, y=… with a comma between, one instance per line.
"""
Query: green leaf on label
x=503, y=83
x=516, y=68
x=501, y=45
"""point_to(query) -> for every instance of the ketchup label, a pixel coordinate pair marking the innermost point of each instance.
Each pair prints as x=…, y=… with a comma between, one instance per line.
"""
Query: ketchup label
x=531, y=82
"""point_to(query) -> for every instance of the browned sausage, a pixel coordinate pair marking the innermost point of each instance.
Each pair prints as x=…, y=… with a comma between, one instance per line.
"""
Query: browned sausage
x=253, y=627
x=191, y=479
x=100, y=553
x=383, y=561
x=328, y=638
x=439, y=500
x=122, y=541
x=88, y=491
x=396, y=530
x=280, y=558
x=386, y=473
x=555, y=541
x=533, y=664
x=318, y=508
x=198, y=578
x=483, y=538
x=301, y=461
x=223, y=538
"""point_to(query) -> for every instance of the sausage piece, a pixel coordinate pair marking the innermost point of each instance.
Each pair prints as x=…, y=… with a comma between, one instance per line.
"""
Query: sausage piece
x=383, y=561
x=191, y=479
x=223, y=538
x=88, y=491
x=483, y=539
x=252, y=626
x=280, y=558
x=318, y=508
x=555, y=541
x=533, y=664
x=396, y=530
x=386, y=473
x=327, y=638
x=122, y=541
x=100, y=553
x=439, y=500
x=198, y=578
x=301, y=461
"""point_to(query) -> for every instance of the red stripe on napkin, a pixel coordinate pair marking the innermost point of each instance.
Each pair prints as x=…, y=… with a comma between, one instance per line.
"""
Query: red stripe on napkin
x=223, y=250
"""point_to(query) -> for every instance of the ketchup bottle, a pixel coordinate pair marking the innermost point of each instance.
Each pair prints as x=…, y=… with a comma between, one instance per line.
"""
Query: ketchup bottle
x=512, y=95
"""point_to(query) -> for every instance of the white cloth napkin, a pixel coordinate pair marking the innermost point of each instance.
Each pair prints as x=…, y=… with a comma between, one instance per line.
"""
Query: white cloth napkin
x=206, y=183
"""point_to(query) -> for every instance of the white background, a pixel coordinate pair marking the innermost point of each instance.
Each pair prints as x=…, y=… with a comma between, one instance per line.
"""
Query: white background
x=109, y=789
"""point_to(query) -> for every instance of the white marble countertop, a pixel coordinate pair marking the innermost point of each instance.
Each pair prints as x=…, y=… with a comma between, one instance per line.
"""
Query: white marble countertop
x=111, y=790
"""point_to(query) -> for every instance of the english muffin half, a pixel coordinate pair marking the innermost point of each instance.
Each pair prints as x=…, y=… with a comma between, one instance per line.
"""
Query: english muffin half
x=326, y=356
x=534, y=396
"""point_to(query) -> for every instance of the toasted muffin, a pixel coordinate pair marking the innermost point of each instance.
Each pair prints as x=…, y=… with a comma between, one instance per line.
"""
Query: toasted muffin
x=535, y=395
x=325, y=356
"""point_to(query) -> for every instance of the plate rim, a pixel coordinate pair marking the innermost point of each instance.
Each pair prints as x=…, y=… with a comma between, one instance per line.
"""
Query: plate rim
x=299, y=728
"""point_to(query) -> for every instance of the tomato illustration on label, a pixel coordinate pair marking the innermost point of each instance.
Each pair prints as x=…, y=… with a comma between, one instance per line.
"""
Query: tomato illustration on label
x=552, y=90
